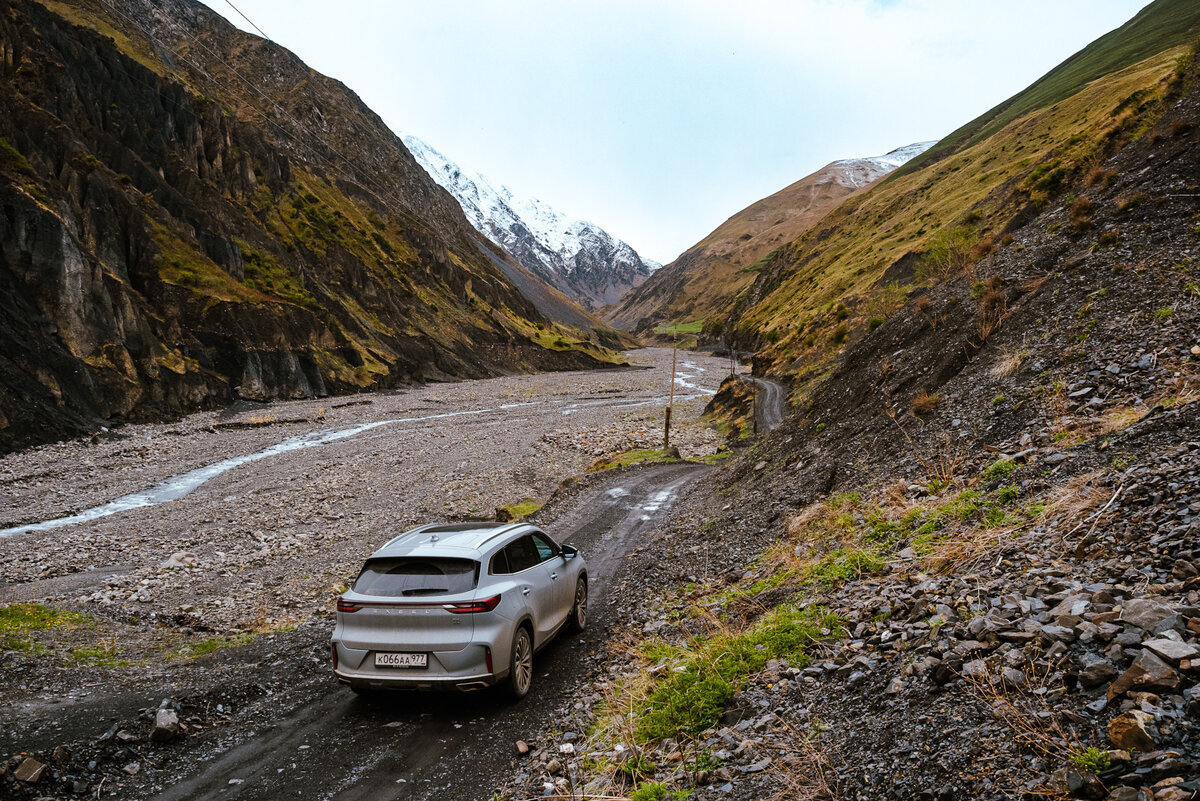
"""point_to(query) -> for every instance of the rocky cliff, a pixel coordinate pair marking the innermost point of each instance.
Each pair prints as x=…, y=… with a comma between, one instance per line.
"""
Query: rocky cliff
x=189, y=214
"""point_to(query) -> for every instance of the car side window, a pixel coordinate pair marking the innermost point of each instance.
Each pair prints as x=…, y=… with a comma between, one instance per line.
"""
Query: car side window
x=546, y=548
x=522, y=554
x=499, y=566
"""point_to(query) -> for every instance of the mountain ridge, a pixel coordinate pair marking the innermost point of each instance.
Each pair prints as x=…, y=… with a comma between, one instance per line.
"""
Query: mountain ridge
x=579, y=258
x=703, y=280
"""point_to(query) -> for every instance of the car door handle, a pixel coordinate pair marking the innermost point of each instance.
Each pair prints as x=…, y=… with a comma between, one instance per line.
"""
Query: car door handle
x=553, y=575
x=524, y=590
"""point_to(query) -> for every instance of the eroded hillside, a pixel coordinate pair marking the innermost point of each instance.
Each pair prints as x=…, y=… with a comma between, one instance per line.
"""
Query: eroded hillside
x=191, y=215
x=968, y=566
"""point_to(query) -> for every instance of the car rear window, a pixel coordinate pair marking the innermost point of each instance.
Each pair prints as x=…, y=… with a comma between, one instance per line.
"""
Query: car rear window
x=409, y=576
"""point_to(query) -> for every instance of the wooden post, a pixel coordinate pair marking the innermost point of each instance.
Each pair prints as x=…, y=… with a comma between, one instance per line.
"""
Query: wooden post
x=754, y=406
x=671, y=401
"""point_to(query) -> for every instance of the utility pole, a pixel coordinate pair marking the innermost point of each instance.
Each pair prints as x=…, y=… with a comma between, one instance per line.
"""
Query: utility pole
x=754, y=406
x=671, y=401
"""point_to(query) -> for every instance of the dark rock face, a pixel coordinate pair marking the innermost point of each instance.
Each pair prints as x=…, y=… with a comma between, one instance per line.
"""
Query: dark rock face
x=162, y=248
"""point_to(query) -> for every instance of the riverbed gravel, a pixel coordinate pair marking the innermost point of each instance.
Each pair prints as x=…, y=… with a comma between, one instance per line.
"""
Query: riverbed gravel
x=264, y=545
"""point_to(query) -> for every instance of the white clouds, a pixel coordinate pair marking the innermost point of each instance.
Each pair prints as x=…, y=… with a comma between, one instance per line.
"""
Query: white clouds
x=658, y=120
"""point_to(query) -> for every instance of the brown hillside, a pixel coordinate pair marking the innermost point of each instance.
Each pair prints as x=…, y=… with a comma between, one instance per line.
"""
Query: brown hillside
x=702, y=282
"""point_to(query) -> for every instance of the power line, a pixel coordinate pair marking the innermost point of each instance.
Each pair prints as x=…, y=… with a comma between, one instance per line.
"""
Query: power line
x=383, y=194
x=252, y=25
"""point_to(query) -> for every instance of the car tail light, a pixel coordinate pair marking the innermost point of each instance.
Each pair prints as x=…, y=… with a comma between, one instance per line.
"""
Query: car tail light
x=485, y=605
x=347, y=606
x=335, y=661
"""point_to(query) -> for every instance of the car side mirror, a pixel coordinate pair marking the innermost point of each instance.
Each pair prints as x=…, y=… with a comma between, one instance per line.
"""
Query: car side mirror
x=569, y=552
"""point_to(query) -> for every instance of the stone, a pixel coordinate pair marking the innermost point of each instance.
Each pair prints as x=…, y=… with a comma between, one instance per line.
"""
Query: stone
x=132, y=768
x=1147, y=672
x=1097, y=673
x=1013, y=678
x=756, y=767
x=522, y=747
x=1145, y=613
x=976, y=668
x=180, y=559
x=30, y=770
x=1172, y=651
x=895, y=686
x=1173, y=794
x=166, y=726
x=1123, y=794
x=61, y=754
x=553, y=766
x=1128, y=731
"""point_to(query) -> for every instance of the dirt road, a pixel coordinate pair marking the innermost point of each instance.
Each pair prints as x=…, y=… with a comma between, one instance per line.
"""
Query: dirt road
x=333, y=745
x=770, y=403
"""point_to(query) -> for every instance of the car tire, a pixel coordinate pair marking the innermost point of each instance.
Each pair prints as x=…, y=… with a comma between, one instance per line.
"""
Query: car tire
x=577, y=622
x=520, y=666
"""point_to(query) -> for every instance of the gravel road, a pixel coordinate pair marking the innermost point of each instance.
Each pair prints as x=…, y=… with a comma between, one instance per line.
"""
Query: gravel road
x=260, y=547
x=770, y=403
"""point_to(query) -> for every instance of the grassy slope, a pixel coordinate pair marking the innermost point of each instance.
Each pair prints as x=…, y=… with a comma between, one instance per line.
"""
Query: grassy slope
x=1161, y=25
x=828, y=278
x=702, y=283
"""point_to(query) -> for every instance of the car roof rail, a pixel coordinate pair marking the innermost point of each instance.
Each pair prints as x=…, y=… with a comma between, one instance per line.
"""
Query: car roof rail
x=500, y=531
x=409, y=533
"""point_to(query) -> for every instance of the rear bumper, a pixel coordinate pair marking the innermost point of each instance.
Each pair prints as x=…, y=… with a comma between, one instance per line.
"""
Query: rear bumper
x=466, y=669
x=463, y=683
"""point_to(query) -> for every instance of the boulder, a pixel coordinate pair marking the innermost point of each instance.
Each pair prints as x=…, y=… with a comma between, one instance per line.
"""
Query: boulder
x=166, y=726
x=1147, y=672
x=1145, y=613
x=1128, y=731
x=30, y=770
x=1097, y=673
x=1172, y=651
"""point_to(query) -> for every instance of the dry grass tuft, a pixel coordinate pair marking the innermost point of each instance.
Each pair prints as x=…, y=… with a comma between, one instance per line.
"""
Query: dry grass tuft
x=993, y=307
x=1081, y=213
x=1007, y=362
x=924, y=403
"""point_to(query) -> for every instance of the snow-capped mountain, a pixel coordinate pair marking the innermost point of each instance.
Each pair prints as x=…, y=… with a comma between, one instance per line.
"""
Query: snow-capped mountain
x=581, y=259
x=860, y=172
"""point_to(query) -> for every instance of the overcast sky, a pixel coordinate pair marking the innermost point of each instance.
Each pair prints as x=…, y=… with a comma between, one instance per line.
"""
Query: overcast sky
x=658, y=119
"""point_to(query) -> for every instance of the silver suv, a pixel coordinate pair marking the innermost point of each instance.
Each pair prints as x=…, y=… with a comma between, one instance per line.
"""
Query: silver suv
x=458, y=606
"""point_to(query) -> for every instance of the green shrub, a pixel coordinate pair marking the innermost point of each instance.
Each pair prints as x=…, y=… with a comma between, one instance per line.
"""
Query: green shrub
x=11, y=159
x=693, y=699
x=659, y=792
x=847, y=564
x=1091, y=759
x=999, y=468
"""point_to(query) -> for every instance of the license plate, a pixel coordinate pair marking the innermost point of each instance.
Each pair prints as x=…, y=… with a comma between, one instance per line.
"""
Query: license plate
x=401, y=660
